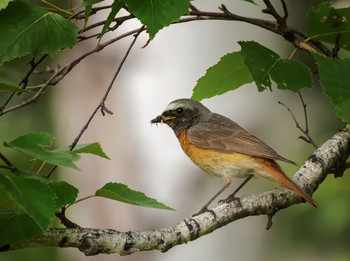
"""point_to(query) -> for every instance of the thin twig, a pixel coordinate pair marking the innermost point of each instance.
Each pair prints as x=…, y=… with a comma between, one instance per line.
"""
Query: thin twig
x=336, y=48
x=10, y=166
x=308, y=138
x=194, y=15
x=23, y=83
x=102, y=103
x=285, y=10
x=64, y=220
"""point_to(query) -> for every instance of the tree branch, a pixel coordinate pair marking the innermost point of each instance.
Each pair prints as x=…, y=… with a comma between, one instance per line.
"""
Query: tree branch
x=96, y=241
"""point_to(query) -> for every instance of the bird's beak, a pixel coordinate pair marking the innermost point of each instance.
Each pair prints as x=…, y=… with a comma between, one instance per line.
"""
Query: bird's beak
x=162, y=119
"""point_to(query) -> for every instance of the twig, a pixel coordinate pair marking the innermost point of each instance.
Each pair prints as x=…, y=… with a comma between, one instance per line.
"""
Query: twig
x=285, y=10
x=10, y=166
x=194, y=15
x=336, y=48
x=23, y=83
x=64, y=220
x=308, y=138
x=101, y=105
x=270, y=9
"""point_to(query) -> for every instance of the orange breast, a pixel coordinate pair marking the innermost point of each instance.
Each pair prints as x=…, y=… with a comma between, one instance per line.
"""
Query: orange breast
x=218, y=163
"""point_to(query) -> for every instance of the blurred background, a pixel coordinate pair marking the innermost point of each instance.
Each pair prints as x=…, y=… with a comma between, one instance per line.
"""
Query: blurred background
x=149, y=159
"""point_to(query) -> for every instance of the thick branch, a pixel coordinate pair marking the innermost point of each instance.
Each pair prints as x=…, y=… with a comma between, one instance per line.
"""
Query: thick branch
x=332, y=154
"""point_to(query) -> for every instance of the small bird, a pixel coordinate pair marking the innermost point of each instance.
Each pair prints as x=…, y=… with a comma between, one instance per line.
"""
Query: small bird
x=222, y=148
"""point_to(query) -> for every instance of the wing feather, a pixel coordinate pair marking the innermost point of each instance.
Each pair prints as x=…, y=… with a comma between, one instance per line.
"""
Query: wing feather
x=219, y=133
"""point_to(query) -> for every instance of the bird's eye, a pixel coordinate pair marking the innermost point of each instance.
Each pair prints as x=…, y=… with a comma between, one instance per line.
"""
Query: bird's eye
x=179, y=110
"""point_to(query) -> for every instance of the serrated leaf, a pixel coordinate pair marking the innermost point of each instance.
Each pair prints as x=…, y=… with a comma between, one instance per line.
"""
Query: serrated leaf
x=327, y=23
x=116, y=6
x=37, y=31
x=66, y=194
x=121, y=192
x=29, y=208
x=156, y=14
x=92, y=148
x=228, y=74
x=5, y=85
x=291, y=75
x=264, y=65
x=4, y=3
x=34, y=144
x=335, y=80
x=259, y=60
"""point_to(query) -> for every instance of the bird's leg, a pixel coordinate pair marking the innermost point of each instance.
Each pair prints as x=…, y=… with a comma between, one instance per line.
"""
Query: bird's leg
x=232, y=196
x=205, y=207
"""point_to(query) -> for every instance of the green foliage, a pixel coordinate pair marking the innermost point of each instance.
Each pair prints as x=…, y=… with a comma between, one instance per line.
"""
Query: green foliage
x=156, y=14
x=335, y=79
x=28, y=202
x=250, y=1
x=4, y=3
x=37, y=31
x=265, y=65
x=92, y=148
x=121, y=192
x=35, y=144
x=116, y=6
x=228, y=74
x=5, y=85
x=253, y=62
x=327, y=24
x=27, y=207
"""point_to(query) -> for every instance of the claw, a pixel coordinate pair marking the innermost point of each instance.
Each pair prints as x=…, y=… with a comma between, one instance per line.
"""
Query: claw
x=204, y=209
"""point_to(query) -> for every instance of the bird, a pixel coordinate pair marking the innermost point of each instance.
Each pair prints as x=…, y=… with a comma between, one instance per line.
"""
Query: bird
x=222, y=148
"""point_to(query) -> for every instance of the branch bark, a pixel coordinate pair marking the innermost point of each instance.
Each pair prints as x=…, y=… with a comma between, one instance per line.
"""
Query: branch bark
x=330, y=157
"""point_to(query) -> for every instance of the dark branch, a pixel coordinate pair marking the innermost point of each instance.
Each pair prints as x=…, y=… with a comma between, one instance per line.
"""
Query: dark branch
x=308, y=138
x=102, y=103
x=9, y=166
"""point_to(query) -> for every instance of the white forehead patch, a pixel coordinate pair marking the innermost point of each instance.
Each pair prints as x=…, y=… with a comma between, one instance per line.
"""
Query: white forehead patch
x=173, y=105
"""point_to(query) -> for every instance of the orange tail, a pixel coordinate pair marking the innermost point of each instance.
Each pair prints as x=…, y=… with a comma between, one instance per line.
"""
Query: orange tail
x=281, y=178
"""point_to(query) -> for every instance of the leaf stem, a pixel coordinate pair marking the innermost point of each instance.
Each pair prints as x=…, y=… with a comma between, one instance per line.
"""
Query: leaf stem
x=57, y=8
x=79, y=200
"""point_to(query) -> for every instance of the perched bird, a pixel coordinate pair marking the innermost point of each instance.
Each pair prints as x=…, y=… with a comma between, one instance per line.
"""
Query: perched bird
x=222, y=148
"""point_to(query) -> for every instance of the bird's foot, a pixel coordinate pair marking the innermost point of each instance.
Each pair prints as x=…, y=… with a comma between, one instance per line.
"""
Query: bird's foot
x=203, y=210
x=230, y=199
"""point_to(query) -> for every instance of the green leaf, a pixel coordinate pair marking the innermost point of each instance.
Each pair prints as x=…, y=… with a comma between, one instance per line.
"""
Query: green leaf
x=34, y=145
x=92, y=148
x=88, y=3
x=27, y=208
x=335, y=79
x=121, y=192
x=4, y=3
x=116, y=6
x=260, y=60
x=36, y=31
x=66, y=194
x=5, y=85
x=156, y=14
x=88, y=6
x=327, y=23
x=265, y=65
x=291, y=75
x=250, y=1
x=228, y=74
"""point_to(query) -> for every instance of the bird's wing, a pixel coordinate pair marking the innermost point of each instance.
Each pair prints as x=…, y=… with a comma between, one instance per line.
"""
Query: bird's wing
x=222, y=134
